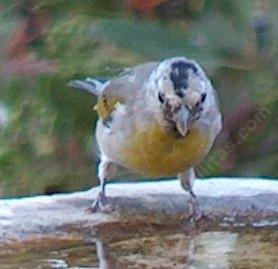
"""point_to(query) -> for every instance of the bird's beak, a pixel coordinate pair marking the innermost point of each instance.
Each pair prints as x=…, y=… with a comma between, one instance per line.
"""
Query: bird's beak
x=182, y=117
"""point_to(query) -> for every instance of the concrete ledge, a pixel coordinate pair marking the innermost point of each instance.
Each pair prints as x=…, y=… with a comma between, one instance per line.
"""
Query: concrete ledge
x=225, y=201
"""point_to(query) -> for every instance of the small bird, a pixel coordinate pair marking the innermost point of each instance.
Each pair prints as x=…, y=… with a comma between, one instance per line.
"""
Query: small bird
x=157, y=119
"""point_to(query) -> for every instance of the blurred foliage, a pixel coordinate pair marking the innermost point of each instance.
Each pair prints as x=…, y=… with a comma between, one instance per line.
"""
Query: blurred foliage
x=47, y=143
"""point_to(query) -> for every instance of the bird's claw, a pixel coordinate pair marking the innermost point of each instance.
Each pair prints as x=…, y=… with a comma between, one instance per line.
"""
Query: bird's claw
x=195, y=213
x=99, y=205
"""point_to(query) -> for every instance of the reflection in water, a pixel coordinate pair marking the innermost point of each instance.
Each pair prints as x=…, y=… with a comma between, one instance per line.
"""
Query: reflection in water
x=240, y=249
x=106, y=260
x=206, y=250
x=212, y=250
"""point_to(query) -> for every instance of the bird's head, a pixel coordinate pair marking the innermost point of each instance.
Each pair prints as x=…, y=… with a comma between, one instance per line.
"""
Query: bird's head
x=182, y=92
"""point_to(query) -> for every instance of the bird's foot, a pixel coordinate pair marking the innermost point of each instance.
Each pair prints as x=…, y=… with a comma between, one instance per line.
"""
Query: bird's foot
x=195, y=213
x=100, y=205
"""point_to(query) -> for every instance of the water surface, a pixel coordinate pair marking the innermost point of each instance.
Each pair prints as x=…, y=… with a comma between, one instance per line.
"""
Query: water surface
x=117, y=247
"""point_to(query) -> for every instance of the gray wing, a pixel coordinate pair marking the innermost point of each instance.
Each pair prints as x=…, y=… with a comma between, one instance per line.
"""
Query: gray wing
x=124, y=89
x=127, y=85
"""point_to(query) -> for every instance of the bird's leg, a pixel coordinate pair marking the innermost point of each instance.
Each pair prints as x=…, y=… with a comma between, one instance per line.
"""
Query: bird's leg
x=105, y=171
x=99, y=202
x=187, y=180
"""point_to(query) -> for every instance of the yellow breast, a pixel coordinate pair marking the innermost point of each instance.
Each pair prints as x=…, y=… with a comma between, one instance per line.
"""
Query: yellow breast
x=157, y=152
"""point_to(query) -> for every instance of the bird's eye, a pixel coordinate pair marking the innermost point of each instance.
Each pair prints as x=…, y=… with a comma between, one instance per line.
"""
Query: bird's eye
x=203, y=97
x=177, y=109
x=180, y=93
x=161, y=97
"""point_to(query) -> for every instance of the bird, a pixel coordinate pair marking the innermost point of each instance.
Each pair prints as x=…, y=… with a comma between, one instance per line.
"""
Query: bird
x=157, y=119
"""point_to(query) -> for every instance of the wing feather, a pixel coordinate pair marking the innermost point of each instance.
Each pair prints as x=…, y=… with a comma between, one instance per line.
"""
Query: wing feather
x=123, y=89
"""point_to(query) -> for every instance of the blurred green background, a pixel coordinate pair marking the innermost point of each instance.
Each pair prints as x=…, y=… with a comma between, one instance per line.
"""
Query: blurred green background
x=47, y=142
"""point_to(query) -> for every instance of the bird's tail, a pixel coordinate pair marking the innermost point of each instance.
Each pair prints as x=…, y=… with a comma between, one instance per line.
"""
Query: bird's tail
x=92, y=86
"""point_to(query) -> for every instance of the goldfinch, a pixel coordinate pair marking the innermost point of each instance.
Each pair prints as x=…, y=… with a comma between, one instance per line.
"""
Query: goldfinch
x=157, y=119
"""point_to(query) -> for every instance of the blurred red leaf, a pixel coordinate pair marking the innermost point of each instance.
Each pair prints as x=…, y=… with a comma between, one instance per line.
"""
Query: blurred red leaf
x=28, y=65
x=21, y=59
x=145, y=6
x=28, y=32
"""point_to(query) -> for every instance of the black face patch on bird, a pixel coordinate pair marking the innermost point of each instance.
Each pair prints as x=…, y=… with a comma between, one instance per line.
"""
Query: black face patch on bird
x=179, y=76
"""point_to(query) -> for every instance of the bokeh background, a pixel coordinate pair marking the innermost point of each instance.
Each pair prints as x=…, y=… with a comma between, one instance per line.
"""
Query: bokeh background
x=47, y=130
